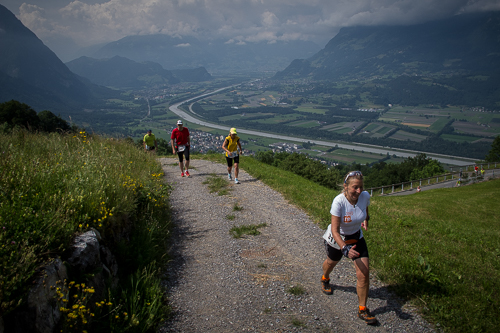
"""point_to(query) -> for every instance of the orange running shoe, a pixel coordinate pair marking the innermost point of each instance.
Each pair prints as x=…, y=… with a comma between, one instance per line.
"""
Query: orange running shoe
x=325, y=285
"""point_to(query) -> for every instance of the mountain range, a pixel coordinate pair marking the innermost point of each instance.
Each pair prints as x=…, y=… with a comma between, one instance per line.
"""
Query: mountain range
x=218, y=57
x=31, y=73
x=120, y=72
x=464, y=44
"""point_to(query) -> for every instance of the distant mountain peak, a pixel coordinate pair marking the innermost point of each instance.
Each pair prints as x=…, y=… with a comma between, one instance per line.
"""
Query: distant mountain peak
x=462, y=44
x=31, y=73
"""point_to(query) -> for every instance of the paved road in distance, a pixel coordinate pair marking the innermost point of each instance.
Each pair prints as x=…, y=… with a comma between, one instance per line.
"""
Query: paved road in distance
x=446, y=159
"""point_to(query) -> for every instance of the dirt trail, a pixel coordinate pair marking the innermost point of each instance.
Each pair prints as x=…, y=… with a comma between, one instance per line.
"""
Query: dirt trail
x=218, y=283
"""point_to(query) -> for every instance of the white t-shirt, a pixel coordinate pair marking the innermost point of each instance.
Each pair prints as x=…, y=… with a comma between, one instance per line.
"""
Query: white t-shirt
x=351, y=216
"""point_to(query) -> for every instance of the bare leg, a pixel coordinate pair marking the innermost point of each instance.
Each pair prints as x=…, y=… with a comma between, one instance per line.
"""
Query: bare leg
x=181, y=165
x=363, y=274
x=187, y=165
x=328, y=266
x=236, y=170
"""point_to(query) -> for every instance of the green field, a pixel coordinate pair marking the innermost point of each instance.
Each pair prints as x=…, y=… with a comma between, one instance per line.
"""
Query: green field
x=403, y=135
x=346, y=156
x=459, y=138
x=311, y=108
x=280, y=118
x=439, y=124
x=304, y=123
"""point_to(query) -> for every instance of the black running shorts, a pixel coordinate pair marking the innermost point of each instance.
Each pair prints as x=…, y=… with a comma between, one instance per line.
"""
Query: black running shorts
x=230, y=160
x=184, y=153
x=336, y=255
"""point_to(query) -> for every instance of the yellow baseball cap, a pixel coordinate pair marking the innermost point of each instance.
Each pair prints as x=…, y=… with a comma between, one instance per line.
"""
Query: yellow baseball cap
x=233, y=131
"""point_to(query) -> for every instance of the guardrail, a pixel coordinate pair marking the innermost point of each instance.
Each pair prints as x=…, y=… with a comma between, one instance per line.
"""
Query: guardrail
x=466, y=174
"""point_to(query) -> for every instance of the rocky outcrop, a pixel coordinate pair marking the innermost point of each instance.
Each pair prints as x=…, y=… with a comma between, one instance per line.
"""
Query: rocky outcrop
x=41, y=314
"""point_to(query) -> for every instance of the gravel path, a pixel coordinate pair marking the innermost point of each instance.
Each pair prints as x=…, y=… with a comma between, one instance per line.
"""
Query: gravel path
x=217, y=283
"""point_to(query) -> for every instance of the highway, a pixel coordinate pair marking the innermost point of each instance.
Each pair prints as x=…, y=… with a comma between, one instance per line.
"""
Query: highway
x=447, y=159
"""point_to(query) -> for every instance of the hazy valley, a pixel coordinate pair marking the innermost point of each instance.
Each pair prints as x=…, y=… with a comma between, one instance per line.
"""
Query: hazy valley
x=431, y=88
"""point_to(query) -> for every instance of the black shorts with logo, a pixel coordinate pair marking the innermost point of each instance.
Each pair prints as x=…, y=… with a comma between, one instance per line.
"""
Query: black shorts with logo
x=184, y=153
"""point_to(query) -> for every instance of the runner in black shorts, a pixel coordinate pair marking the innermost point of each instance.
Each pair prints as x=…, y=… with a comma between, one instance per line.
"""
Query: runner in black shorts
x=344, y=237
x=181, y=141
x=184, y=153
x=230, y=146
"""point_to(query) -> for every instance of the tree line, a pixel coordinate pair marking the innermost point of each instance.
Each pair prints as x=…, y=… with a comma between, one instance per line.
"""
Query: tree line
x=374, y=175
x=14, y=113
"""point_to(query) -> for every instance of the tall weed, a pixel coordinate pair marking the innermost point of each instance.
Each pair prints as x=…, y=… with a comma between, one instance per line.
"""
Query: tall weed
x=55, y=186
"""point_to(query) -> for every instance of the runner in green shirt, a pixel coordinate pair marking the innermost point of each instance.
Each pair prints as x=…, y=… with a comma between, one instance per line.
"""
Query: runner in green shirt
x=149, y=142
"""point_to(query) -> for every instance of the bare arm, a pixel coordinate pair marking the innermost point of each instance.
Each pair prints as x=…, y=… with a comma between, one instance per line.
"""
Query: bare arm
x=239, y=145
x=364, y=224
x=173, y=147
x=336, y=231
x=224, y=146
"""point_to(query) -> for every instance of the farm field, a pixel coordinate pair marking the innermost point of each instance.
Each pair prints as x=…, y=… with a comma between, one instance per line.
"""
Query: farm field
x=243, y=115
x=280, y=118
x=402, y=135
x=376, y=130
x=343, y=127
x=304, y=123
x=476, y=129
x=348, y=156
x=311, y=108
x=459, y=138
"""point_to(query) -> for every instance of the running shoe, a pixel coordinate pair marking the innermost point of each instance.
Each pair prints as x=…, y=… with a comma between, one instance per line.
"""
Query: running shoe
x=325, y=286
x=367, y=316
x=229, y=176
x=236, y=181
x=187, y=174
x=182, y=174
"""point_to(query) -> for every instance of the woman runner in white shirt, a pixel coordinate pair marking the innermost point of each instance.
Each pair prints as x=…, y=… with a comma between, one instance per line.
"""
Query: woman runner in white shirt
x=344, y=237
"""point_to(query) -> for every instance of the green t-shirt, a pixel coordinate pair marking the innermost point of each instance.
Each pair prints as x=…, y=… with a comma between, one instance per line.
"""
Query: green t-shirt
x=149, y=139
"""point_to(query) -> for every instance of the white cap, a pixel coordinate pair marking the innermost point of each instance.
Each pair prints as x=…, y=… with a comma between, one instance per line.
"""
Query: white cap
x=179, y=122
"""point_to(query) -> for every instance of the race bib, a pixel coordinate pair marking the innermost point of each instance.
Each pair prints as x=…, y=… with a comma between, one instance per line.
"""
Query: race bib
x=181, y=148
x=232, y=154
x=329, y=238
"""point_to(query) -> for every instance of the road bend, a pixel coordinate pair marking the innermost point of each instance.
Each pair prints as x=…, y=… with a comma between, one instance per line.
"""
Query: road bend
x=446, y=159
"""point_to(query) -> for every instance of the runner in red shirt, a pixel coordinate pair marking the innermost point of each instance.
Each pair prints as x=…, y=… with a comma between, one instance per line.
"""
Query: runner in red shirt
x=180, y=142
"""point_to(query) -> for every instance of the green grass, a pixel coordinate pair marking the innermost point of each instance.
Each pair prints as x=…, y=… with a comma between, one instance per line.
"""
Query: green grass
x=217, y=184
x=298, y=323
x=296, y=290
x=439, y=124
x=237, y=208
x=459, y=138
x=441, y=249
x=53, y=187
x=252, y=229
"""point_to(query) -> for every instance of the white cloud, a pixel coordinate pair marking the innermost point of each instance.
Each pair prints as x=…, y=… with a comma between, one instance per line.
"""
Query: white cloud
x=238, y=21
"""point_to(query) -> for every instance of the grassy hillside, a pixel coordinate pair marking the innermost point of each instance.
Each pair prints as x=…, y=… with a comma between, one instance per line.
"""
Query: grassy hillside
x=53, y=187
x=438, y=249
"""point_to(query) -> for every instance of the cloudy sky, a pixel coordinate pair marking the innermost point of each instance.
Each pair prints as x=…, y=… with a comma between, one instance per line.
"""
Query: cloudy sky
x=65, y=24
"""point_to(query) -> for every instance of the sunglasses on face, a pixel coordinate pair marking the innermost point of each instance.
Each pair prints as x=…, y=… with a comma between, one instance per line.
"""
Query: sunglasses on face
x=352, y=174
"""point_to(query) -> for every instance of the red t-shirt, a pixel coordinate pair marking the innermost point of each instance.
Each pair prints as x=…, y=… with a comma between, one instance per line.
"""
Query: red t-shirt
x=180, y=137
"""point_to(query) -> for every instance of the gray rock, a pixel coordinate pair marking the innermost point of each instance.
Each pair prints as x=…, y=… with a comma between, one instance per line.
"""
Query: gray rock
x=41, y=313
x=86, y=253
